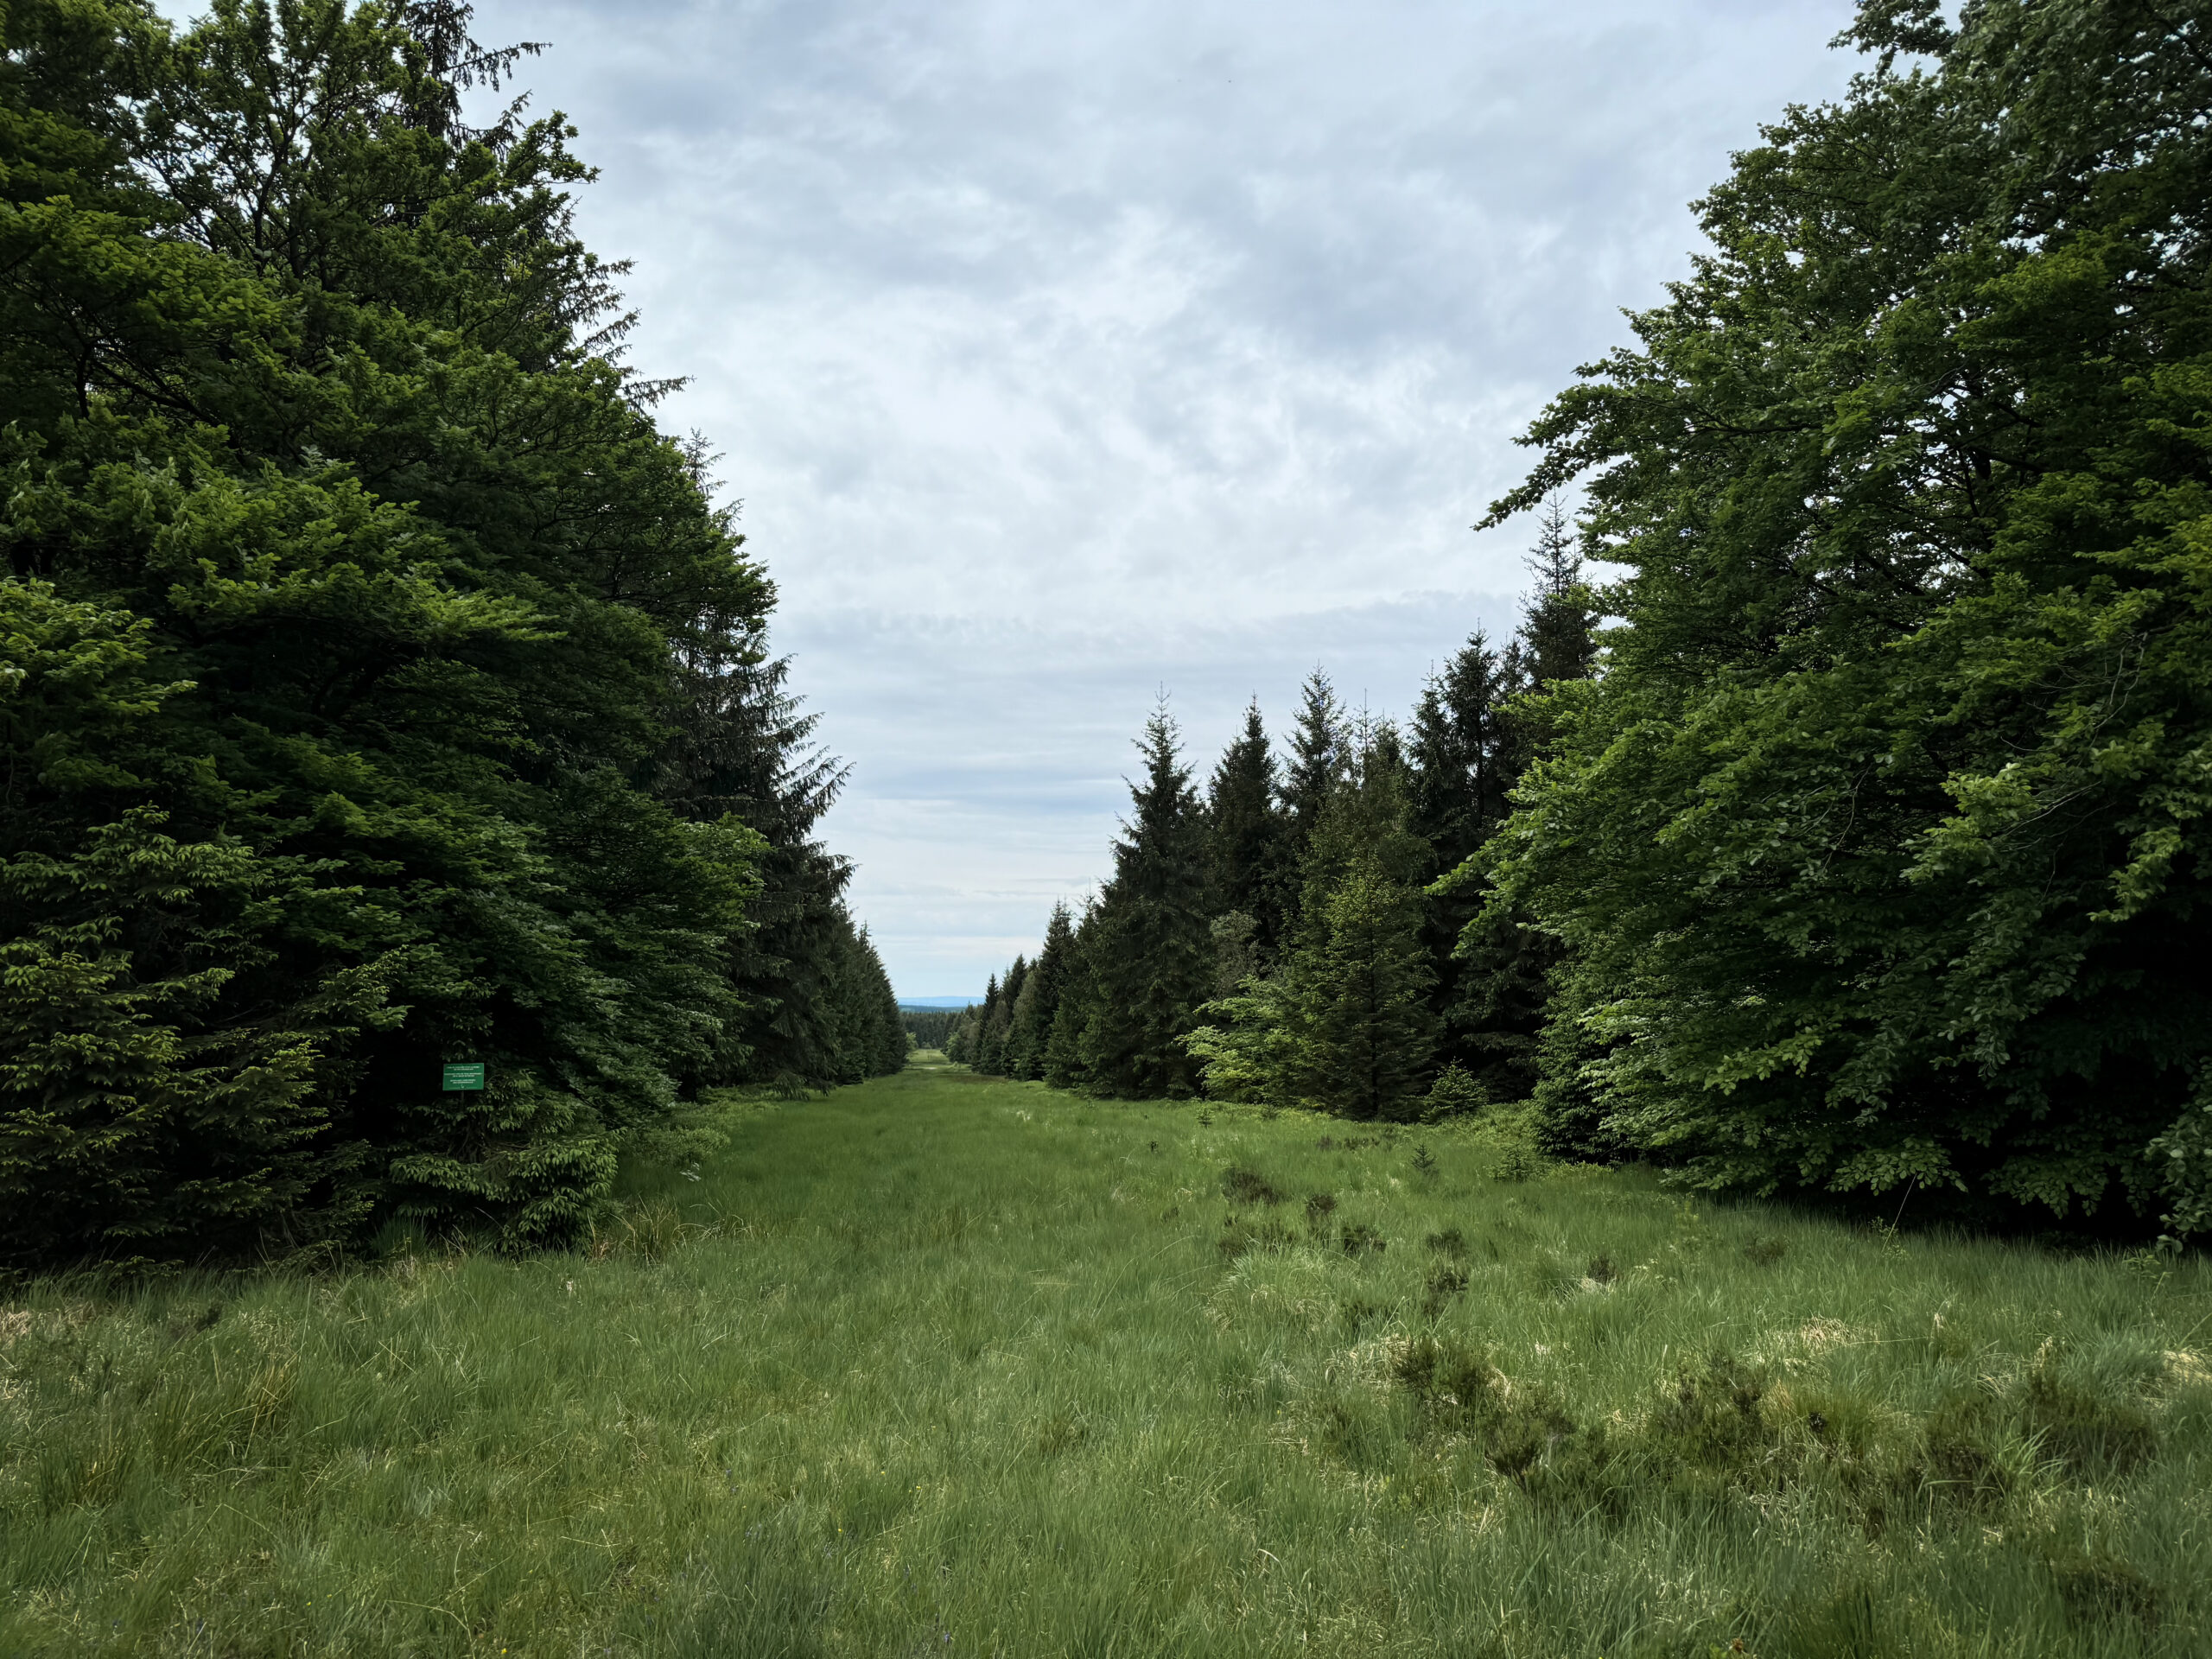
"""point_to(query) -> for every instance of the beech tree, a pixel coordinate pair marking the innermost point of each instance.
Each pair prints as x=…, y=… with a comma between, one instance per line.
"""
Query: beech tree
x=375, y=661
x=1880, y=848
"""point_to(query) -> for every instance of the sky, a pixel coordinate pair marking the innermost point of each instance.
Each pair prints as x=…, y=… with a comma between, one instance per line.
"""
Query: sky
x=1066, y=356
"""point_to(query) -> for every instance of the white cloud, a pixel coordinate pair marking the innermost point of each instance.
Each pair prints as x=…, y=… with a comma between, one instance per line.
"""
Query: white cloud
x=1060, y=352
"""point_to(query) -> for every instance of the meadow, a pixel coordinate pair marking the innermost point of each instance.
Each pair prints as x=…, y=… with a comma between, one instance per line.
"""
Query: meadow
x=937, y=1364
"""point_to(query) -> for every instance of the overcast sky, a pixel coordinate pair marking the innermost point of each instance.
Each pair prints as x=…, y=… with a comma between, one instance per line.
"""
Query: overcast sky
x=1062, y=354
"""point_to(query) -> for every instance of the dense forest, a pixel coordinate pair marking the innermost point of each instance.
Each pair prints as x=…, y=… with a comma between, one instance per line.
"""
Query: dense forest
x=383, y=688
x=929, y=1027
x=1861, y=847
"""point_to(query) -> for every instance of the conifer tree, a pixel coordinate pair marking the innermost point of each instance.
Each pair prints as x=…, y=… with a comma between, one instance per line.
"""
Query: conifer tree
x=1558, y=629
x=1465, y=752
x=1039, y=1000
x=741, y=744
x=975, y=1027
x=998, y=1022
x=1462, y=754
x=1371, y=1030
x=1068, y=1037
x=1318, y=752
x=1361, y=974
x=1494, y=997
x=1246, y=842
x=1558, y=636
x=1018, y=1055
x=1151, y=963
x=1343, y=1023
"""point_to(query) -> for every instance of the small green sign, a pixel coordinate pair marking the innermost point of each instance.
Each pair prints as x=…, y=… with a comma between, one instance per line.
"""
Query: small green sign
x=469, y=1075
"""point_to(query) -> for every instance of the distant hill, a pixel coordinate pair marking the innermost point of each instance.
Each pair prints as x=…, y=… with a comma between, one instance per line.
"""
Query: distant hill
x=924, y=1004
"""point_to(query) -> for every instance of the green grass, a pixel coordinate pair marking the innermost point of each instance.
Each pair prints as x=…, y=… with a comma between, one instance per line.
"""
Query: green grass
x=942, y=1366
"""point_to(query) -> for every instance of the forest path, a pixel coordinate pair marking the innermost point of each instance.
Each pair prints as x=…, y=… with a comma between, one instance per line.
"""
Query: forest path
x=938, y=1363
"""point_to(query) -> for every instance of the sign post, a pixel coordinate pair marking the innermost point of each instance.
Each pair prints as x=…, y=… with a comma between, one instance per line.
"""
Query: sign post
x=468, y=1074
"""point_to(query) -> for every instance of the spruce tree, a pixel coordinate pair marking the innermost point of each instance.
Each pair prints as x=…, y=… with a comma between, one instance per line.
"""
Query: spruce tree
x=1494, y=999
x=1068, y=1035
x=1040, y=1002
x=1247, y=846
x=741, y=744
x=1343, y=1023
x=1151, y=964
x=1461, y=753
x=1319, y=753
x=1370, y=1027
x=998, y=1022
x=1559, y=627
x=1362, y=976
x=974, y=1031
x=1465, y=751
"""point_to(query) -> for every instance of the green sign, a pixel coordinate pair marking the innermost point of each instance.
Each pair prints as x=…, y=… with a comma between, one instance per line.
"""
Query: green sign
x=469, y=1075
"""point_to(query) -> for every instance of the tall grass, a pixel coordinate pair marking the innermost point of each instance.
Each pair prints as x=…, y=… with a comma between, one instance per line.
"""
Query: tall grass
x=940, y=1365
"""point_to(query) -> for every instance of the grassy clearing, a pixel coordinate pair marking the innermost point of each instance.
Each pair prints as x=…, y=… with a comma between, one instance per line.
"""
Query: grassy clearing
x=944, y=1366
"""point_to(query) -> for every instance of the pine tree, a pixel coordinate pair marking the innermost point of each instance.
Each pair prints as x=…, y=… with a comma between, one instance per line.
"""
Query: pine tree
x=1068, y=1035
x=1319, y=753
x=1558, y=629
x=1465, y=752
x=998, y=1022
x=1246, y=842
x=1343, y=1023
x=1371, y=1030
x=1462, y=753
x=1040, y=1002
x=1152, y=964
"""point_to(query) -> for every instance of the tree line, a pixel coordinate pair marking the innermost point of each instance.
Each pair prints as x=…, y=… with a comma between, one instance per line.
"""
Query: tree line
x=929, y=1027
x=1273, y=935
x=1870, y=854
x=382, y=688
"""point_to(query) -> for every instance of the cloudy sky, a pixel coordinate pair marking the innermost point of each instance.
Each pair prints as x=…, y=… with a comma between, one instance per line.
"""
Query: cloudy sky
x=1065, y=354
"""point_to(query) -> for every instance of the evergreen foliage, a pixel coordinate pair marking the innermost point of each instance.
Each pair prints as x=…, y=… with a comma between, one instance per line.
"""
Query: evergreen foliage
x=1151, y=962
x=1361, y=965
x=1068, y=1039
x=1465, y=751
x=931, y=1027
x=1246, y=840
x=1038, y=1004
x=1344, y=1023
x=1559, y=632
x=370, y=656
x=1319, y=744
